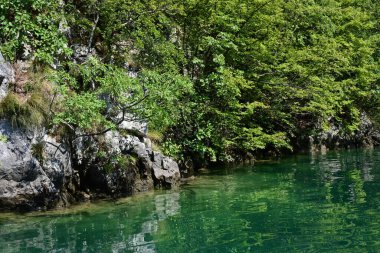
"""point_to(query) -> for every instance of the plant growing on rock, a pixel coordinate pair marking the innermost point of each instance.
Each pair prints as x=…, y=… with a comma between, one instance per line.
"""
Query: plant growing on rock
x=27, y=105
x=26, y=112
x=3, y=138
x=119, y=162
x=37, y=150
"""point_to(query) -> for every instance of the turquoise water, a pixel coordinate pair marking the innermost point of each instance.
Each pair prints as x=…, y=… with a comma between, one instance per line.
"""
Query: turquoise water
x=305, y=203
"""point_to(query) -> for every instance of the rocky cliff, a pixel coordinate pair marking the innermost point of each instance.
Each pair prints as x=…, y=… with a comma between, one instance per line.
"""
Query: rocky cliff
x=335, y=137
x=40, y=170
x=35, y=171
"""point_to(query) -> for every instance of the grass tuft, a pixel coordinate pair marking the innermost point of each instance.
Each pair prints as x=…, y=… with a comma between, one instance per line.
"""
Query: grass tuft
x=29, y=108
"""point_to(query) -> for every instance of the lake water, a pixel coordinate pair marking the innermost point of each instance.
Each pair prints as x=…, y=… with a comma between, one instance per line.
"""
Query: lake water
x=305, y=203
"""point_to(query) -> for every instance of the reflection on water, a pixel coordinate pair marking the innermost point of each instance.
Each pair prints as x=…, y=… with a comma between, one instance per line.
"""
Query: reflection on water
x=165, y=206
x=306, y=203
x=99, y=228
x=345, y=174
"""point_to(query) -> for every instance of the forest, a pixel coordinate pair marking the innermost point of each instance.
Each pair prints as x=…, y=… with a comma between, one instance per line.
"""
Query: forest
x=216, y=80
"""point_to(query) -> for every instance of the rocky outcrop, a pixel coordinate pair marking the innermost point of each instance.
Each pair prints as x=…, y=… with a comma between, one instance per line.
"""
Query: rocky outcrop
x=335, y=137
x=39, y=172
x=140, y=127
x=6, y=76
x=81, y=53
x=120, y=164
x=35, y=172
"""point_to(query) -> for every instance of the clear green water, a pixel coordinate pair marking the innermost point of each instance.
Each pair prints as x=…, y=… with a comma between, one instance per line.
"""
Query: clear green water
x=321, y=203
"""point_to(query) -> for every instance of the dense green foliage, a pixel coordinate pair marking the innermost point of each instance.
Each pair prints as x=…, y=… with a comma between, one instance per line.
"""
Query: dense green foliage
x=32, y=26
x=219, y=79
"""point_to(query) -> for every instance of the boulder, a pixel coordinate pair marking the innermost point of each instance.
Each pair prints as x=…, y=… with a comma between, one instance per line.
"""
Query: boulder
x=153, y=167
x=165, y=172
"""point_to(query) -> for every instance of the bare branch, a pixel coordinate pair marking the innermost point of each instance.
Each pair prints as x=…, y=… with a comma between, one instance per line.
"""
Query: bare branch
x=68, y=125
x=92, y=32
x=64, y=151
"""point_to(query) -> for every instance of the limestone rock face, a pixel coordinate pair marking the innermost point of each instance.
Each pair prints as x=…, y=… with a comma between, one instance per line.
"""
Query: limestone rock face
x=134, y=124
x=38, y=172
x=35, y=172
x=166, y=171
x=366, y=136
x=146, y=170
x=6, y=76
x=82, y=53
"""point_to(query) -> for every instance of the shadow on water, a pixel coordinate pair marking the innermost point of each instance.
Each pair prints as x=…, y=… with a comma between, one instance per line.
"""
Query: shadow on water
x=304, y=203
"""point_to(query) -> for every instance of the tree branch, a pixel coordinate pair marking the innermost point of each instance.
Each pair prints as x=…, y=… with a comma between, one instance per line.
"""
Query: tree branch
x=92, y=32
x=123, y=110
